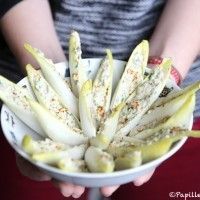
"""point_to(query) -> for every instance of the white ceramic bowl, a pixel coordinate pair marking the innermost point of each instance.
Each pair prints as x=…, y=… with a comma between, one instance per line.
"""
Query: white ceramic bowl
x=14, y=130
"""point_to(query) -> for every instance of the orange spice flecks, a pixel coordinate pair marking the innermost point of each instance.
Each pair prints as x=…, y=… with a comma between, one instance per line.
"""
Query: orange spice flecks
x=75, y=76
x=130, y=71
x=175, y=129
x=100, y=111
x=135, y=104
x=62, y=109
x=135, y=77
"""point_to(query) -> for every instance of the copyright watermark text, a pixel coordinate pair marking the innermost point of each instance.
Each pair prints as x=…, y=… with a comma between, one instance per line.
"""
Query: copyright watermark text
x=184, y=195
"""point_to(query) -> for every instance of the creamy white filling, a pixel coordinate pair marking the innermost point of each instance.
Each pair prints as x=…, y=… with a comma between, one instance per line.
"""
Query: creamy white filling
x=140, y=98
x=17, y=96
x=55, y=107
x=101, y=90
x=48, y=145
x=161, y=134
x=131, y=78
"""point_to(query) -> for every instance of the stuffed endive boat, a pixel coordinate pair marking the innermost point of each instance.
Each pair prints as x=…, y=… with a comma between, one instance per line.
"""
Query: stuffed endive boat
x=56, y=129
x=143, y=97
x=161, y=113
x=49, y=98
x=102, y=88
x=55, y=79
x=129, y=160
x=107, y=129
x=179, y=119
x=191, y=88
x=153, y=149
x=133, y=74
x=98, y=160
x=88, y=122
x=78, y=74
x=72, y=165
x=51, y=152
x=15, y=97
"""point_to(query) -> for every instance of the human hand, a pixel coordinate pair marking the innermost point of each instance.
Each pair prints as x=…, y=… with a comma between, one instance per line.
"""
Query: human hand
x=108, y=191
x=76, y=191
x=32, y=172
x=68, y=189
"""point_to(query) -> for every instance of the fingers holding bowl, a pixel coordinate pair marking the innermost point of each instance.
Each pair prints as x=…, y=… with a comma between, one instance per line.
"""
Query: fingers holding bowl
x=143, y=179
x=68, y=189
x=108, y=191
x=30, y=171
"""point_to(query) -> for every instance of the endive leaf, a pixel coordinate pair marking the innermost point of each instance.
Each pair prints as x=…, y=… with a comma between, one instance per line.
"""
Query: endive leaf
x=15, y=98
x=126, y=141
x=77, y=152
x=49, y=98
x=129, y=160
x=49, y=151
x=133, y=74
x=159, y=148
x=161, y=113
x=50, y=157
x=55, y=79
x=191, y=88
x=143, y=97
x=53, y=157
x=98, y=160
x=107, y=129
x=102, y=87
x=72, y=165
x=153, y=149
x=56, y=129
x=32, y=146
x=178, y=119
x=85, y=110
x=77, y=71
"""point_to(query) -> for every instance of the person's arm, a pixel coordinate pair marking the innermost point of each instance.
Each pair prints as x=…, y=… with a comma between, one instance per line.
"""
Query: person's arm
x=31, y=21
x=177, y=34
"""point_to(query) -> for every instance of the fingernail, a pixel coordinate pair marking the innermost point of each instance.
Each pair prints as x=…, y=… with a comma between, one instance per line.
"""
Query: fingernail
x=66, y=194
x=75, y=196
x=139, y=183
x=46, y=178
x=106, y=195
